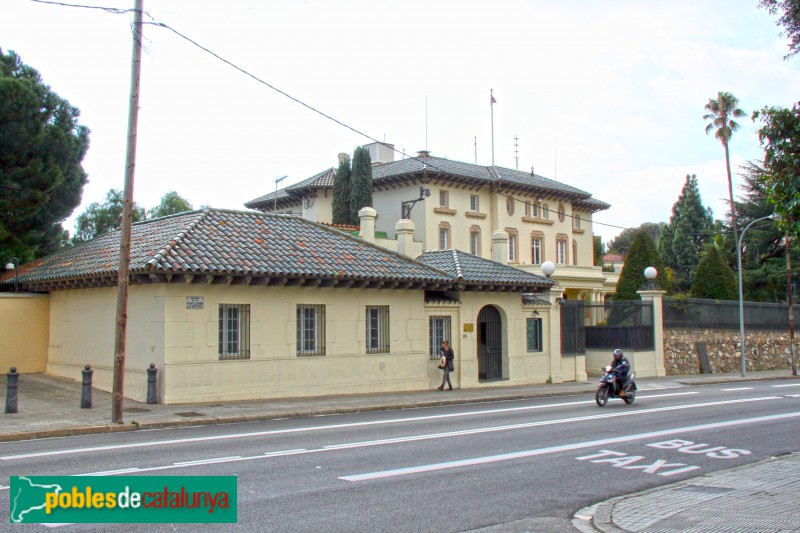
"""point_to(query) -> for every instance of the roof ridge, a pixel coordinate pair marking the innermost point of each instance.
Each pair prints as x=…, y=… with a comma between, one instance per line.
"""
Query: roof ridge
x=161, y=254
x=457, y=261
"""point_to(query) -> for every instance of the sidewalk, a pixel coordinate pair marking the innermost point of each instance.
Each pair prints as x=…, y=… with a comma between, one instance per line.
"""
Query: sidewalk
x=49, y=406
x=755, y=497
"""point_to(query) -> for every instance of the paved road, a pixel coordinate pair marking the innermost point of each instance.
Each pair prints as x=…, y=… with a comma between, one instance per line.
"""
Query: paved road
x=529, y=464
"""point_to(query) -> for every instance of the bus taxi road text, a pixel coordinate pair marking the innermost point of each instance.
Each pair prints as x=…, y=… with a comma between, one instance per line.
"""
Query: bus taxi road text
x=663, y=467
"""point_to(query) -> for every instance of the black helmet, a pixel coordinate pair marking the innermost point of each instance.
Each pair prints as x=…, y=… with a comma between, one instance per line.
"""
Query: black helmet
x=617, y=353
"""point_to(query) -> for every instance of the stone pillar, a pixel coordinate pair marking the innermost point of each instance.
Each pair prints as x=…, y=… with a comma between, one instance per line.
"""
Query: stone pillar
x=367, y=216
x=554, y=335
x=657, y=297
x=500, y=247
x=404, y=230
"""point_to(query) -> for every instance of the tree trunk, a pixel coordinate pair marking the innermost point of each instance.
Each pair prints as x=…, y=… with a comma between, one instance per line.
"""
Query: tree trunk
x=730, y=194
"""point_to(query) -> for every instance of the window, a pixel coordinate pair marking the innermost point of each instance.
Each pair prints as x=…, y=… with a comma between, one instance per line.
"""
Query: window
x=536, y=210
x=310, y=330
x=576, y=220
x=561, y=212
x=536, y=251
x=234, y=331
x=377, y=329
x=474, y=203
x=510, y=206
x=443, y=199
x=439, y=330
x=561, y=252
x=527, y=209
x=534, y=334
x=444, y=236
x=545, y=211
x=475, y=241
x=512, y=248
x=575, y=253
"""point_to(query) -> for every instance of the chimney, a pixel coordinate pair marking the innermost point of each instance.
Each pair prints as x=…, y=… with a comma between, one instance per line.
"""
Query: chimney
x=367, y=216
x=404, y=231
x=500, y=247
x=343, y=157
x=380, y=153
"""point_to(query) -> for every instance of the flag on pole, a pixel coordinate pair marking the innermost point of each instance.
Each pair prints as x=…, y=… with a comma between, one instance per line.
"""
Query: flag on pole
x=492, y=100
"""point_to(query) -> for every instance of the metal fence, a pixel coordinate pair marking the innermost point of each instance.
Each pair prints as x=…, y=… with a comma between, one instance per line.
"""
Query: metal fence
x=724, y=314
x=614, y=324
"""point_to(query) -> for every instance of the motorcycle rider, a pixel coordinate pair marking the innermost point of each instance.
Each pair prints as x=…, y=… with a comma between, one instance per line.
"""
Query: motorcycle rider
x=620, y=367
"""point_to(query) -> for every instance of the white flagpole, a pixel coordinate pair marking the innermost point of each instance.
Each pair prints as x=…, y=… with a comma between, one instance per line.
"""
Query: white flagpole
x=491, y=105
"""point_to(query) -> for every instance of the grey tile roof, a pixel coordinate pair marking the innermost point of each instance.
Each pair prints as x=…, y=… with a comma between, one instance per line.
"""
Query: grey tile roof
x=532, y=299
x=214, y=243
x=437, y=166
x=319, y=181
x=477, y=271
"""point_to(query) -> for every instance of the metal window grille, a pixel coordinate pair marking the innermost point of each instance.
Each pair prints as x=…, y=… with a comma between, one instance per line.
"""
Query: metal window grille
x=722, y=314
x=536, y=251
x=234, y=331
x=377, y=329
x=310, y=329
x=534, y=334
x=439, y=331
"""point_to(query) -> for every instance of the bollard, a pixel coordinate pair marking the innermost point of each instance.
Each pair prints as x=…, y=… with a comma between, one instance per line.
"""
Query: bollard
x=11, y=391
x=86, y=392
x=152, y=392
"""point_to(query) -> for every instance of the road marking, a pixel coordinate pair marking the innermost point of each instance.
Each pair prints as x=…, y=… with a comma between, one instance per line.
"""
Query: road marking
x=792, y=395
x=207, y=461
x=113, y=472
x=558, y=449
x=787, y=385
x=306, y=429
x=740, y=388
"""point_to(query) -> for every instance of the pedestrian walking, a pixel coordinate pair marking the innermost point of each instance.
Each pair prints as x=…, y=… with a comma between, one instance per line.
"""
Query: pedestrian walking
x=447, y=353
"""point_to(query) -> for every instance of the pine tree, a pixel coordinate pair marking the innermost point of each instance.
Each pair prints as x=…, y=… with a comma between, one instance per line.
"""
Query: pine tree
x=690, y=229
x=642, y=254
x=341, y=191
x=713, y=278
x=361, y=192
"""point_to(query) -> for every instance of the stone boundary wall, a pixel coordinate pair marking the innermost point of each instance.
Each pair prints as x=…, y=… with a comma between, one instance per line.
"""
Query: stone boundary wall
x=766, y=350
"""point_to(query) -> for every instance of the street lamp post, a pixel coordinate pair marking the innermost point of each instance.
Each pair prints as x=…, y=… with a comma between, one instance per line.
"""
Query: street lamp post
x=14, y=263
x=741, y=300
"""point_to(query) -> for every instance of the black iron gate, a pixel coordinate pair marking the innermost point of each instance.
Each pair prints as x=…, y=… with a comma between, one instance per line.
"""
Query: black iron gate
x=573, y=327
x=490, y=344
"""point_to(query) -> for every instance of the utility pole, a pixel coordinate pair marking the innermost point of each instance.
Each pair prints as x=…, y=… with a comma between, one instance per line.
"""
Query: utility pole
x=127, y=209
x=790, y=301
x=516, y=151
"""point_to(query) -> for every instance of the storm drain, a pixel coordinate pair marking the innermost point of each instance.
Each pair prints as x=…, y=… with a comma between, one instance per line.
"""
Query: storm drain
x=190, y=414
x=705, y=489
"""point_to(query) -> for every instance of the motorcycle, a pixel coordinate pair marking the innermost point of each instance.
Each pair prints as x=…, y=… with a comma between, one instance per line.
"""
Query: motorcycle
x=608, y=387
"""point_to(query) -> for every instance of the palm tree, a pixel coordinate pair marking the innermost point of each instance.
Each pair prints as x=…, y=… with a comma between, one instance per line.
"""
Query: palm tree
x=721, y=112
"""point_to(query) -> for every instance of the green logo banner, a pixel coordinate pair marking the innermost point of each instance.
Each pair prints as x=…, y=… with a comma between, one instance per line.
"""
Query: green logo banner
x=122, y=499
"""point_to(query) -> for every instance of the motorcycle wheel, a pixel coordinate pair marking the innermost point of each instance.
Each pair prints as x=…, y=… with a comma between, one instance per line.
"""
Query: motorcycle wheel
x=601, y=396
x=630, y=395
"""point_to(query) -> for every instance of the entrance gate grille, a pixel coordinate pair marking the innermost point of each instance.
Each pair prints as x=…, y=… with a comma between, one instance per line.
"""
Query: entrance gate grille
x=490, y=344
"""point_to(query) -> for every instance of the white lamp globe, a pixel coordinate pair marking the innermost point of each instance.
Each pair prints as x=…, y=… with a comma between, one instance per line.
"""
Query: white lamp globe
x=548, y=268
x=650, y=273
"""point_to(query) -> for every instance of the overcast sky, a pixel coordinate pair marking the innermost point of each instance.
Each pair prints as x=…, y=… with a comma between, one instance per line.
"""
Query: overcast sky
x=604, y=95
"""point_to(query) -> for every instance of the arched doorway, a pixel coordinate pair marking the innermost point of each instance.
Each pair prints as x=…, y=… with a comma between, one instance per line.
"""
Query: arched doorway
x=490, y=344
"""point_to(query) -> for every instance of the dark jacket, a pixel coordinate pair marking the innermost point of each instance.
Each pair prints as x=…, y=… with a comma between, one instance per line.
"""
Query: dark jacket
x=621, y=367
x=449, y=356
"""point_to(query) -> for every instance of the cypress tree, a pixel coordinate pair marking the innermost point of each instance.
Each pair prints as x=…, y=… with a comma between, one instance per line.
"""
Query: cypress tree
x=688, y=232
x=642, y=254
x=713, y=278
x=361, y=192
x=341, y=191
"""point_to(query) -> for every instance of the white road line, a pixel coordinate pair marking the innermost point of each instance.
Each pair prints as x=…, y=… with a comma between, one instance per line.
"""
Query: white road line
x=792, y=395
x=558, y=449
x=95, y=449
x=113, y=472
x=787, y=385
x=207, y=461
x=411, y=438
x=740, y=388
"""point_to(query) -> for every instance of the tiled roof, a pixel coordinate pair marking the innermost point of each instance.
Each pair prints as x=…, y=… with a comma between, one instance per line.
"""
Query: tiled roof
x=437, y=166
x=319, y=181
x=532, y=299
x=477, y=271
x=214, y=246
